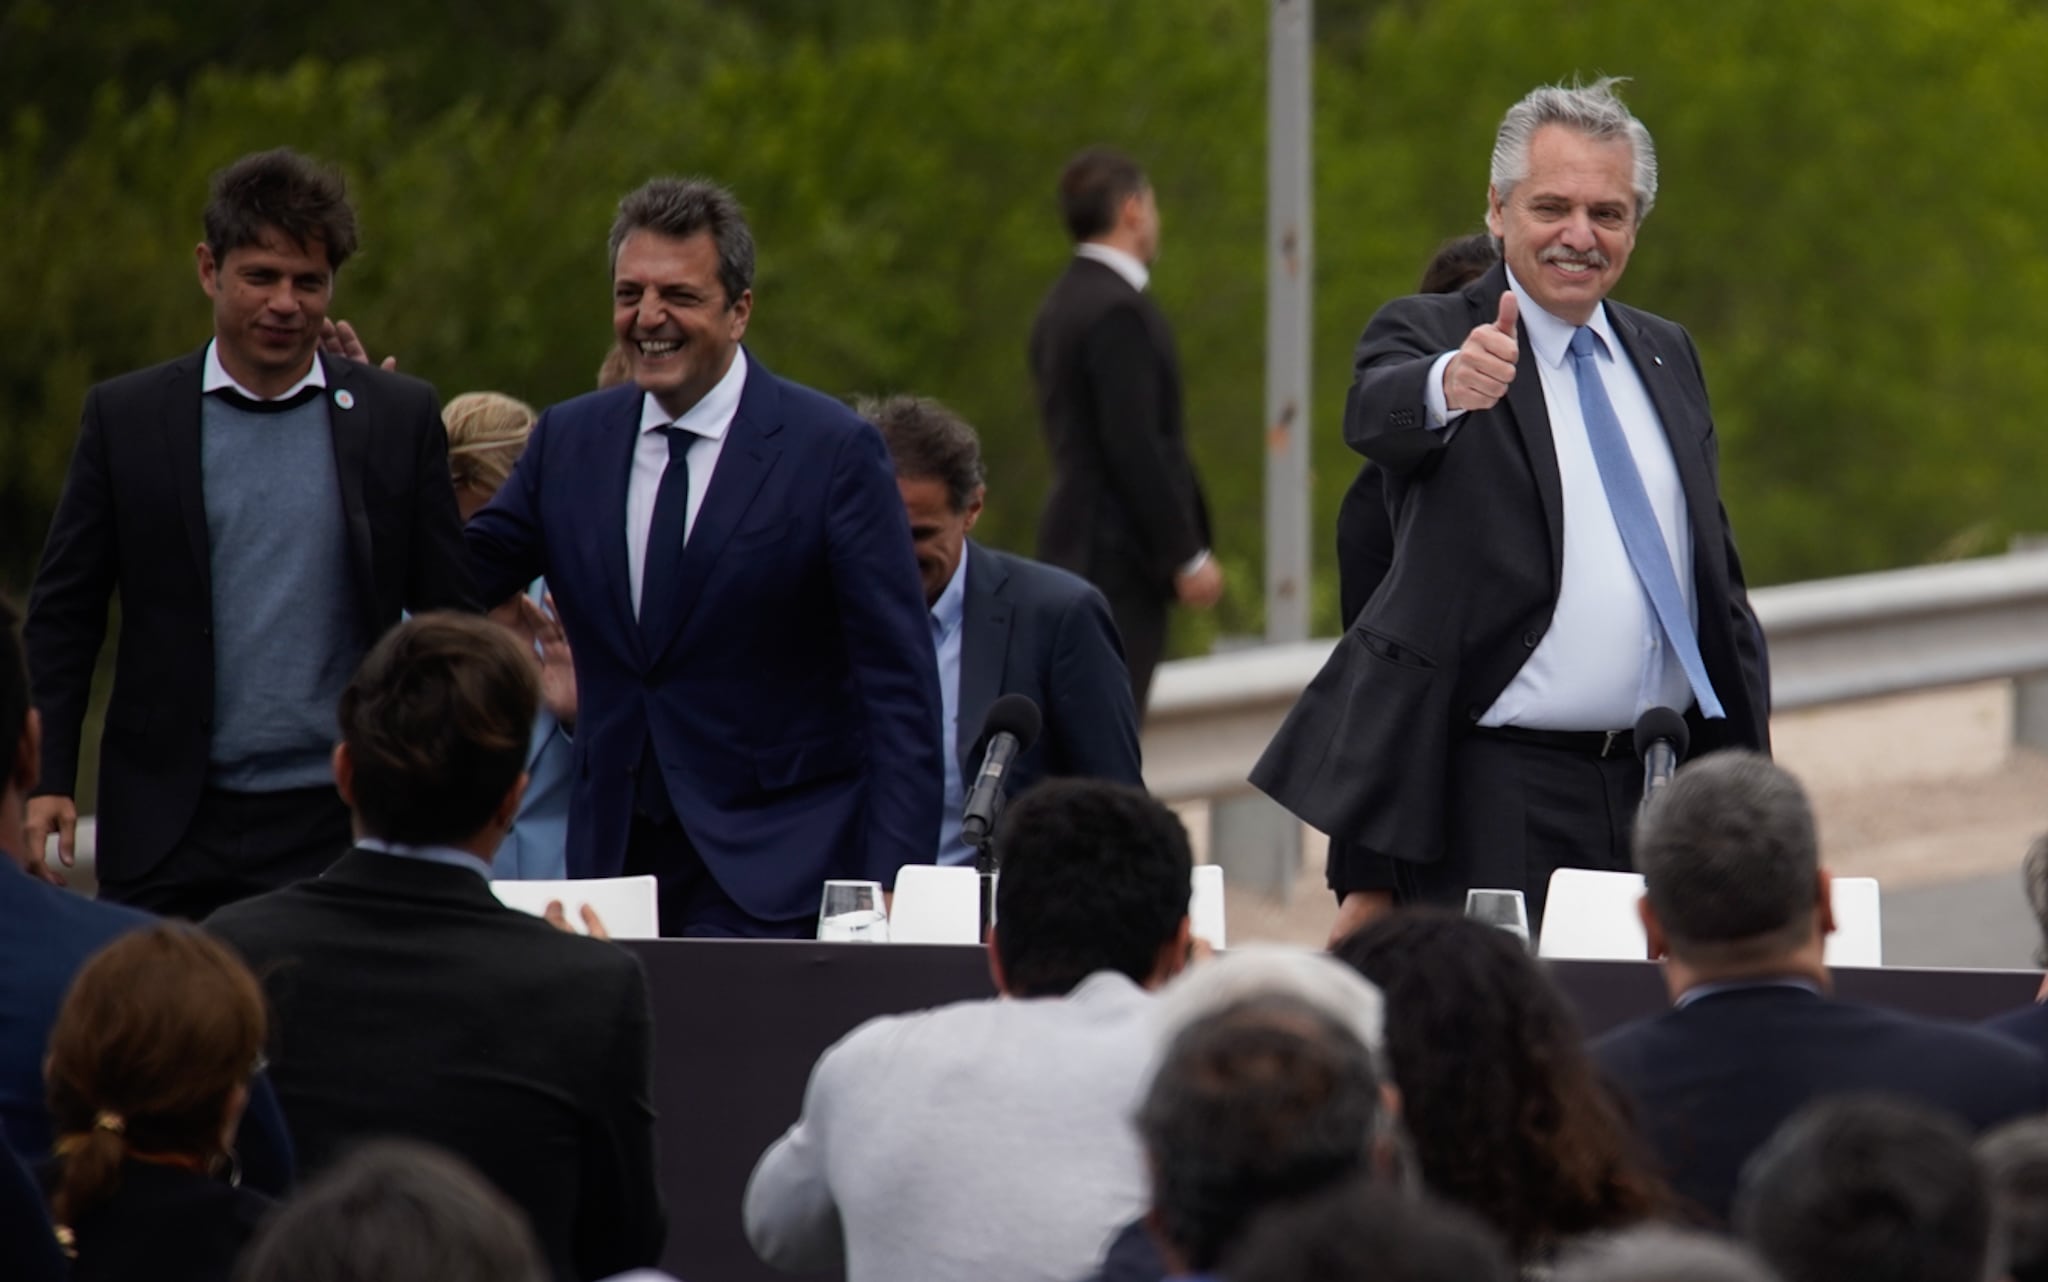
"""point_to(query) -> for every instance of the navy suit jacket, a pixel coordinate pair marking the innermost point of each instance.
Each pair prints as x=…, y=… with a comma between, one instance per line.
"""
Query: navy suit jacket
x=2028, y=1024
x=1713, y=1081
x=1038, y=631
x=46, y=935
x=793, y=704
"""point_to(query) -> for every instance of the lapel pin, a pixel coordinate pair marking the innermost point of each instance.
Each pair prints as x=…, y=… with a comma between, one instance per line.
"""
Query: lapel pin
x=346, y=399
x=1656, y=360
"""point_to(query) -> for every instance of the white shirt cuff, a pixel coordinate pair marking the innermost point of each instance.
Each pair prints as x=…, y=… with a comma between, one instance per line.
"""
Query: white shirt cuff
x=1195, y=562
x=1440, y=413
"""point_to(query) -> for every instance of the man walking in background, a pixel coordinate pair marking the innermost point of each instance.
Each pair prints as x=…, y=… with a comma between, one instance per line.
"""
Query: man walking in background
x=1126, y=510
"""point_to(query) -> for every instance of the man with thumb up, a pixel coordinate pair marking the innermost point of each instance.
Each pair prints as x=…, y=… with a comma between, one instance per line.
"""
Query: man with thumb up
x=1561, y=559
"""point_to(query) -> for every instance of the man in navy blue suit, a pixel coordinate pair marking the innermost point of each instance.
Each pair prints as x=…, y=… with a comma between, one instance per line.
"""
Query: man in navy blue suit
x=1737, y=904
x=1004, y=625
x=754, y=665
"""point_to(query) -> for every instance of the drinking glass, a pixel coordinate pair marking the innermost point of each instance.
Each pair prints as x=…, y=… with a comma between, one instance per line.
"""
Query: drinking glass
x=1503, y=909
x=852, y=913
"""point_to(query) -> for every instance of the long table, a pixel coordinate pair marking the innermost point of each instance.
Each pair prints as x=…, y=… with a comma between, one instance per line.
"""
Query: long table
x=738, y=1025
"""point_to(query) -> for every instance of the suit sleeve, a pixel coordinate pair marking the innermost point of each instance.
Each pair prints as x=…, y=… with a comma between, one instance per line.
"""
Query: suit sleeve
x=1120, y=362
x=67, y=605
x=886, y=631
x=1386, y=417
x=437, y=576
x=504, y=543
x=620, y=1224
x=1092, y=712
x=792, y=1219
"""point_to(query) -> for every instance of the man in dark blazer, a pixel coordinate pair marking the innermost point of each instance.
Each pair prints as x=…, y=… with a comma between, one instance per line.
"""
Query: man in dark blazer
x=46, y=936
x=1737, y=904
x=1002, y=624
x=264, y=514
x=1126, y=510
x=757, y=707
x=1474, y=721
x=407, y=1001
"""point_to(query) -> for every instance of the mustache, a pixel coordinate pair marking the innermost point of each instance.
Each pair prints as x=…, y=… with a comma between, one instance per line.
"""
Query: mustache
x=1585, y=258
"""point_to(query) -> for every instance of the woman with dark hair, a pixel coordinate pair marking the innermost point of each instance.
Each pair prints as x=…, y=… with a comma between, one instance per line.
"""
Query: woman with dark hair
x=149, y=1070
x=1505, y=1112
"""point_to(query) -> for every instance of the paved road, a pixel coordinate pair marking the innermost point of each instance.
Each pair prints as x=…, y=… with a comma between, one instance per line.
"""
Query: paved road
x=1981, y=921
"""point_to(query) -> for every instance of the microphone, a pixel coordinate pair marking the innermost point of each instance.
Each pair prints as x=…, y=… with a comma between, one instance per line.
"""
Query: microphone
x=1010, y=728
x=1661, y=738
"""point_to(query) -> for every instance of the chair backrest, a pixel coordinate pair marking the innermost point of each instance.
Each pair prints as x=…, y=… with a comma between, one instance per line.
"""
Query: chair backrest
x=1592, y=915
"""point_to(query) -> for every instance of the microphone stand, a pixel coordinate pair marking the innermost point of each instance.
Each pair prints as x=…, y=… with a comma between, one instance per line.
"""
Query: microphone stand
x=985, y=866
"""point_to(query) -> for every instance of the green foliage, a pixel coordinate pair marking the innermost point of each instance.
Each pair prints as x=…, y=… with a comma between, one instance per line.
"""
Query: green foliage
x=1849, y=219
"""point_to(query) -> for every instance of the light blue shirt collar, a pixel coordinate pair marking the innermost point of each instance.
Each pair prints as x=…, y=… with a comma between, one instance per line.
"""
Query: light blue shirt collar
x=428, y=854
x=1549, y=335
x=951, y=606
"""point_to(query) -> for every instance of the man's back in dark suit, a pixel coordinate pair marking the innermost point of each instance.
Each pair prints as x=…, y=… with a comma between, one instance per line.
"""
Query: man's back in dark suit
x=408, y=1001
x=1713, y=1079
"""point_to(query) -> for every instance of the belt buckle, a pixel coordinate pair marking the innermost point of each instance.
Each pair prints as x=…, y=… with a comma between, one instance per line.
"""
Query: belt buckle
x=1607, y=744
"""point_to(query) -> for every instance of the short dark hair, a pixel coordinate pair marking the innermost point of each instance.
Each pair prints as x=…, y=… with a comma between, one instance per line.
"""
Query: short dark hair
x=1458, y=262
x=284, y=191
x=1506, y=1113
x=2015, y=1160
x=1095, y=876
x=395, y=1211
x=929, y=443
x=1364, y=1230
x=1093, y=188
x=1730, y=859
x=682, y=207
x=437, y=723
x=1869, y=1189
x=1265, y=1100
x=14, y=696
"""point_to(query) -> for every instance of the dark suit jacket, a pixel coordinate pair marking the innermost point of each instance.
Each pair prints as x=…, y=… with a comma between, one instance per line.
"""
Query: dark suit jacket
x=1034, y=630
x=28, y=1243
x=132, y=518
x=1478, y=548
x=794, y=707
x=167, y=1224
x=408, y=1001
x=1125, y=508
x=2027, y=1025
x=46, y=935
x=1715, y=1080
x=1365, y=542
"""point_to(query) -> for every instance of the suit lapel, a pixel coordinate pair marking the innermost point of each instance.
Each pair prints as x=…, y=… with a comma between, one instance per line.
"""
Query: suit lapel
x=613, y=433
x=984, y=647
x=743, y=463
x=350, y=430
x=1676, y=411
x=1532, y=418
x=181, y=431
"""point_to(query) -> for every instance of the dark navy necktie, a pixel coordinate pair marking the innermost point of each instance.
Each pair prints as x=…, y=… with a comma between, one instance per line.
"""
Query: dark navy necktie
x=665, y=533
x=1636, y=520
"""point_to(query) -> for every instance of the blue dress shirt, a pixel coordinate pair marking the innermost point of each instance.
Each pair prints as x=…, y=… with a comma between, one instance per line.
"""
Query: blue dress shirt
x=948, y=614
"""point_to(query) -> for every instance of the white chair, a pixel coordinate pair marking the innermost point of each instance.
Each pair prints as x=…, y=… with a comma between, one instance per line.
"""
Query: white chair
x=1592, y=916
x=942, y=905
x=627, y=905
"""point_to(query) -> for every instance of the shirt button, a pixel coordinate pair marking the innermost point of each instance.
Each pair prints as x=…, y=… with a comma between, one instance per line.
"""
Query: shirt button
x=1529, y=640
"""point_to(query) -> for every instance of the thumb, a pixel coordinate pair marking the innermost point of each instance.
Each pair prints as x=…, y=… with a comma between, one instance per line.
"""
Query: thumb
x=1510, y=310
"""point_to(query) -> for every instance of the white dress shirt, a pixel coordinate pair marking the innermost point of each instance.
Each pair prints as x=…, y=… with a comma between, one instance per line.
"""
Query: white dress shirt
x=1124, y=265
x=1603, y=662
x=215, y=376
x=709, y=419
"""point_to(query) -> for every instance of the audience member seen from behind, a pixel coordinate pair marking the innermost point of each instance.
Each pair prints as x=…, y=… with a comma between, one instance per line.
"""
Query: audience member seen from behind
x=396, y=1212
x=149, y=1071
x=1738, y=905
x=1361, y=1232
x=487, y=432
x=1660, y=1253
x=1504, y=1111
x=411, y=1003
x=2015, y=1160
x=1016, y=1158
x=1870, y=1189
x=2029, y=1024
x=1262, y=1102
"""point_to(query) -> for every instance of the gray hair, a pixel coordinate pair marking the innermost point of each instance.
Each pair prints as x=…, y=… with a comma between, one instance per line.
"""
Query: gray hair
x=1316, y=980
x=2034, y=875
x=2015, y=1160
x=1729, y=856
x=1660, y=1253
x=682, y=207
x=1594, y=110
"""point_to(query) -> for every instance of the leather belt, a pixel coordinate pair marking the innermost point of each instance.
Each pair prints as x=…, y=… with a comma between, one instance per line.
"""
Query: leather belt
x=1599, y=744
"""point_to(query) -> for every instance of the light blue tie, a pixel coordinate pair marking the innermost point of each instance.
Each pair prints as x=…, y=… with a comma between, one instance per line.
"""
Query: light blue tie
x=1633, y=516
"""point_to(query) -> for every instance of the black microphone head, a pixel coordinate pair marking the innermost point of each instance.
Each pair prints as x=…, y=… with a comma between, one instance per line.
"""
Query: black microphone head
x=1665, y=724
x=1012, y=714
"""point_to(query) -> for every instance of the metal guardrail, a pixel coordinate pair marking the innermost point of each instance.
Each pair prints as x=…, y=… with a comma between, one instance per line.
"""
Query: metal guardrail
x=1831, y=641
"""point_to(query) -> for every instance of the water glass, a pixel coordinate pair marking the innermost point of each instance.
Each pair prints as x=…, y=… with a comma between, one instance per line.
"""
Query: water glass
x=1503, y=909
x=852, y=913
